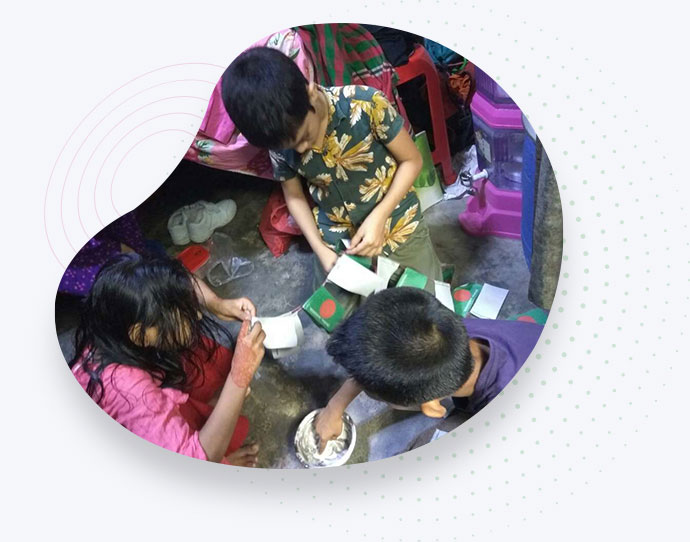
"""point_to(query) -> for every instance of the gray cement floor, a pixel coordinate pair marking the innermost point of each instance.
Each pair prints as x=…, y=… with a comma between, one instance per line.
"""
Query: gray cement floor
x=285, y=390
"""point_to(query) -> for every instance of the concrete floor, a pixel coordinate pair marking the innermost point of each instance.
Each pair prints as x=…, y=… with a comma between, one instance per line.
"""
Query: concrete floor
x=285, y=390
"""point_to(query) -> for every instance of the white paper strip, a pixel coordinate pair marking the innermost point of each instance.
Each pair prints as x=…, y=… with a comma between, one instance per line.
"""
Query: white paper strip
x=281, y=331
x=443, y=294
x=489, y=302
x=279, y=353
x=353, y=277
x=385, y=268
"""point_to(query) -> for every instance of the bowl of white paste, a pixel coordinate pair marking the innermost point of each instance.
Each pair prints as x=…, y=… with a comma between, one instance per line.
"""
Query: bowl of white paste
x=337, y=451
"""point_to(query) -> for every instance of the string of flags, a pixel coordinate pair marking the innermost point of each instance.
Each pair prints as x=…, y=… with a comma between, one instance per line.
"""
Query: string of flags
x=361, y=276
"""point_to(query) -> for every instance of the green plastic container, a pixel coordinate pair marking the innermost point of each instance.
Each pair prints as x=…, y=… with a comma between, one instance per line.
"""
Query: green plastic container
x=428, y=176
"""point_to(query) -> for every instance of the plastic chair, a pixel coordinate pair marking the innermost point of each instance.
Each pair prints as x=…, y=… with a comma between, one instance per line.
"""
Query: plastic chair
x=418, y=65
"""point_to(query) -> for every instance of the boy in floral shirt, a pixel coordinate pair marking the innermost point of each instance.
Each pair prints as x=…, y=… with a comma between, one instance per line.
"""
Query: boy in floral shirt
x=349, y=146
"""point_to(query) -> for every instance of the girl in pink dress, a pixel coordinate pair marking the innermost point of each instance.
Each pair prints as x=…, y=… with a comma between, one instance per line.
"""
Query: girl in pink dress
x=146, y=354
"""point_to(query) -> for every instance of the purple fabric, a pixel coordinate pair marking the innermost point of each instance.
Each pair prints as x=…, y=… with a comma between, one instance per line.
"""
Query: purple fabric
x=510, y=344
x=81, y=272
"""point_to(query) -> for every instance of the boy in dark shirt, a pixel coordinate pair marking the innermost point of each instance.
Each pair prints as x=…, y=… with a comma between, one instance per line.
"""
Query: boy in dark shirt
x=404, y=347
x=349, y=146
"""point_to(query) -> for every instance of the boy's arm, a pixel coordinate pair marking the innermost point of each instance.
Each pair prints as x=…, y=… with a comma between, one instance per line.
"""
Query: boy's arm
x=368, y=241
x=301, y=212
x=329, y=422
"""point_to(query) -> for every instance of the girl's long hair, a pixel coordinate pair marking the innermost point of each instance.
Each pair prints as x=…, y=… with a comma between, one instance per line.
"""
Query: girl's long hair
x=131, y=294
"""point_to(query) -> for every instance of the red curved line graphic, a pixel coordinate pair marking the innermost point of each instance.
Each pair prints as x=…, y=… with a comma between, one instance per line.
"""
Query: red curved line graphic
x=62, y=150
x=88, y=162
x=120, y=141
x=112, y=181
x=81, y=223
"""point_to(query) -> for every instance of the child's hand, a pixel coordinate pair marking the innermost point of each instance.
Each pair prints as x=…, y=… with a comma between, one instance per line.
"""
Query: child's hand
x=249, y=351
x=369, y=239
x=327, y=257
x=328, y=425
x=234, y=309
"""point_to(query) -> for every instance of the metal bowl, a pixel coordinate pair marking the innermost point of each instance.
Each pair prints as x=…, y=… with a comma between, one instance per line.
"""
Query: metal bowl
x=337, y=451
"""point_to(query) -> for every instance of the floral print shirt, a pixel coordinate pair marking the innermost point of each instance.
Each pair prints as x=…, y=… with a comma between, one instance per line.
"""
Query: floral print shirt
x=349, y=176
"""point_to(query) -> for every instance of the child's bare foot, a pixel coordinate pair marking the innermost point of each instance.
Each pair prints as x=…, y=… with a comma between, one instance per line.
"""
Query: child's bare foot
x=246, y=456
x=214, y=400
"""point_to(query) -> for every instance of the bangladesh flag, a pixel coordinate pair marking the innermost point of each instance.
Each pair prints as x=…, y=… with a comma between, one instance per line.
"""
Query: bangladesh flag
x=363, y=260
x=412, y=278
x=342, y=246
x=464, y=297
x=535, y=316
x=448, y=272
x=324, y=309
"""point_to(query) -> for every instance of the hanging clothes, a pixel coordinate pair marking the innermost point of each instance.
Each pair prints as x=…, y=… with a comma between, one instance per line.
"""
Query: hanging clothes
x=397, y=45
x=348, y=54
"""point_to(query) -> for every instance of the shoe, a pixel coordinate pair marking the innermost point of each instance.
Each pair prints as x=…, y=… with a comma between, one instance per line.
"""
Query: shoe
x=177, y=223
x=213, y=215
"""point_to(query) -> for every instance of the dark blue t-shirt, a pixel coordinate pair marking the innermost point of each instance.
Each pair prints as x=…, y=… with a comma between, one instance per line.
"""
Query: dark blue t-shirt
x=510, y=343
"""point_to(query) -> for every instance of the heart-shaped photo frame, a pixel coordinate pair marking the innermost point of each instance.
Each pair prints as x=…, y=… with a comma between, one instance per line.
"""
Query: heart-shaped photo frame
x=358, y=253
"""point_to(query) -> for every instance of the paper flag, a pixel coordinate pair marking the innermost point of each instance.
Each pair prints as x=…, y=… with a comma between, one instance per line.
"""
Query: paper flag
x=448, y=272
x=362, y=260
x=412, y=278
x=464, y=297
x=489, y=302
x=324, y=309
x=342, y=246
x=537, y=316
x=443, y=294
x=281, y=331
x=385, y=267
x=353, y=277
x=278, y=353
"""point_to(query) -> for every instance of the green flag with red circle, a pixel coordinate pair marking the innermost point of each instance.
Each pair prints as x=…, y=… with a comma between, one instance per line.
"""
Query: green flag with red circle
x=324, y=309
x=464, y=297
x=412, y=279
x=534, y=316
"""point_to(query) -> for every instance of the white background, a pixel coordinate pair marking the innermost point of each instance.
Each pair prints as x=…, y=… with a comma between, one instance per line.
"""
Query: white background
x=100, y=102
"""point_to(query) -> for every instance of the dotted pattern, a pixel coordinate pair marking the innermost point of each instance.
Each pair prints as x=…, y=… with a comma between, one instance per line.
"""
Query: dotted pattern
x=599, y=375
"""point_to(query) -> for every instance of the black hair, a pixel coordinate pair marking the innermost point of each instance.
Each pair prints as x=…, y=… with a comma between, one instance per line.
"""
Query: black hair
x=266, y=96
x=404, y=347
x=160, y=292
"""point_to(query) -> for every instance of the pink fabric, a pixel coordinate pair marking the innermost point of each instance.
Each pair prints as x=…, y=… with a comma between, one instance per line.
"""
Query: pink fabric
x=218, y=144
x=217, y=124
x=164, y=416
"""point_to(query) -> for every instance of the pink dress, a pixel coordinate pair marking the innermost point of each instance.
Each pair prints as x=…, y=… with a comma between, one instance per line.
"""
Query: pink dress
x=165, y=416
